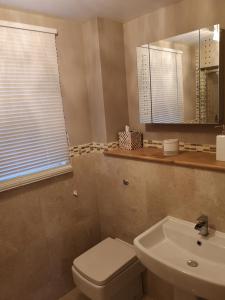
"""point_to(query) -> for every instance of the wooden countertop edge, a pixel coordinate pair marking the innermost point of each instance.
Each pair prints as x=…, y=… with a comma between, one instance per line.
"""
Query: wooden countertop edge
x=168, y=160
x=195, y=165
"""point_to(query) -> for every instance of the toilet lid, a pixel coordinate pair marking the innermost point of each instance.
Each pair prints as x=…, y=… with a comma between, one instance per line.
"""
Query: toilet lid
x=105, y=260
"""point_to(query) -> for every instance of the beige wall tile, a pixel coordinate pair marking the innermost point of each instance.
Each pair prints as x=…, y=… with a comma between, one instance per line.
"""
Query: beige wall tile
x=94, y=80
x=155, y=191
x=106, y=79
x=113, y=76
x=43, y=227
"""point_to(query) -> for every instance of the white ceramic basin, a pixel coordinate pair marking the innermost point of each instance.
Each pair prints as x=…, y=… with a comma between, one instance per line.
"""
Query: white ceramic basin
x=167, y=246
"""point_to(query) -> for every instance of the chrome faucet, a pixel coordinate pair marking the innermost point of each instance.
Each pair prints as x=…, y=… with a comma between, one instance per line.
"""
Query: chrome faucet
x=202, y=225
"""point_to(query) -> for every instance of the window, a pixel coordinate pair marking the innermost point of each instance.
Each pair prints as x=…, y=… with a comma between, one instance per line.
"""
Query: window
x=33, y=141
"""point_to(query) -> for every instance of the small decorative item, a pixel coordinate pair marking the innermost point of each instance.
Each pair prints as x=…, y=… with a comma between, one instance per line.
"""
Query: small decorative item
x=130, y=140
x=170, y=147
x=220, y=145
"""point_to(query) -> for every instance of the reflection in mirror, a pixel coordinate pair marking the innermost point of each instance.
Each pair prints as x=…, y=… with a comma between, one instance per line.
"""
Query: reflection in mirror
x=207, y=102
x=178, y=78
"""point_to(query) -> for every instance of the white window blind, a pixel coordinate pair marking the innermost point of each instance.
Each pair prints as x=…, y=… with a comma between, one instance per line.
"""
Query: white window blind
x=167, y=85
x=33, y=141
x=160, y=83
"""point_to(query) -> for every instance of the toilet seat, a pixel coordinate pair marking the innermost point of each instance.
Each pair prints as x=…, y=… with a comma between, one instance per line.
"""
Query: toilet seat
x=105, y=261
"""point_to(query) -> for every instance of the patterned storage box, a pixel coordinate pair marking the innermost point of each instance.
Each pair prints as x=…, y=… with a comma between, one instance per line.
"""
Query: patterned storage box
x=130, y=140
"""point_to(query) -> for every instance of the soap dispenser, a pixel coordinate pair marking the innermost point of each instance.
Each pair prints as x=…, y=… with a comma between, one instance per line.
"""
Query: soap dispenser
x=220, y=145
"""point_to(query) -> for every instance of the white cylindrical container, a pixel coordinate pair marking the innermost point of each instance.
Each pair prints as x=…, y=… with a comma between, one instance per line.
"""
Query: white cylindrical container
x=170, y=147
x=220, y=147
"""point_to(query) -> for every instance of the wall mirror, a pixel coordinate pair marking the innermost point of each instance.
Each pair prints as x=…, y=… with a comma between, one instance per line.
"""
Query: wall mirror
x=179, y=79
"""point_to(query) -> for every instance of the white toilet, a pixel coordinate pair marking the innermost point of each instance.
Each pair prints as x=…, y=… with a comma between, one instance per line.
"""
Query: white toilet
x=109, y=271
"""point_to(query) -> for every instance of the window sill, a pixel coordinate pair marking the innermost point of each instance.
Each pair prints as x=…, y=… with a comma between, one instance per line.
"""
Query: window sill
x=21, y=181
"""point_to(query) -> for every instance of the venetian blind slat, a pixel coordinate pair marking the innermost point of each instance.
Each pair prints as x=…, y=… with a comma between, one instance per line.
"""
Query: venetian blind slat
x=160, y=83
x=33, y=141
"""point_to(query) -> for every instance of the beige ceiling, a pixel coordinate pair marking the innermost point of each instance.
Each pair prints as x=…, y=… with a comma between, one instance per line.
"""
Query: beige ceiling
x=121, y=10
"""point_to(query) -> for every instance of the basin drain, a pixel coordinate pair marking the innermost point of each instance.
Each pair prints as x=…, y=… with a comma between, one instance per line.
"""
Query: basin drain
x=192, y=263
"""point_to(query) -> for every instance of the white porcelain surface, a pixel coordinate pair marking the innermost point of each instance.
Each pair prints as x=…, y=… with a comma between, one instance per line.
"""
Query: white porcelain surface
x=167, y=246
x=109, y=271
x=126, y=285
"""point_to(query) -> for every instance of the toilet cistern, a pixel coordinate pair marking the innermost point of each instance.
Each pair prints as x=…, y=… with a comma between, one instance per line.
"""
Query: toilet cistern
x=202, y=225
x=109, y=271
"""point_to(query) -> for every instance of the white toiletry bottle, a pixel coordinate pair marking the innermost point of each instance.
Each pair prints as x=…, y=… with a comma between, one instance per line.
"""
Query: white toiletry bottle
x=220, y=145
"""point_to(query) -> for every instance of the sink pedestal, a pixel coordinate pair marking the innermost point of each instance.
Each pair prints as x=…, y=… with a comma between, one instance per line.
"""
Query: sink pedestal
x=182, y=295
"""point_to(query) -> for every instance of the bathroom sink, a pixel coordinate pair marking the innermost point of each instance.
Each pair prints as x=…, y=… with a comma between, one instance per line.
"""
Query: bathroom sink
x=175, y=252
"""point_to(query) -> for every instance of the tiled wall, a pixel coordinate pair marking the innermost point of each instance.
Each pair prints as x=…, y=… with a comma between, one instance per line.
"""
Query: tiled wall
x=101, y=147
x=106, y=79
x=206, y=102
x=183, y=146
x=43, y=229
x=92, y=147
x=154, y=191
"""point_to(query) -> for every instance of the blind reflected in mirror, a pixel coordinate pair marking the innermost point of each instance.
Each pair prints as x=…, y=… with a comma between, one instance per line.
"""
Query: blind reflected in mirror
x=178, y=79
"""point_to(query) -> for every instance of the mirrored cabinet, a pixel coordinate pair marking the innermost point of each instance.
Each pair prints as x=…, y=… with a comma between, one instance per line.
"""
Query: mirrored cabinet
x=180, y=79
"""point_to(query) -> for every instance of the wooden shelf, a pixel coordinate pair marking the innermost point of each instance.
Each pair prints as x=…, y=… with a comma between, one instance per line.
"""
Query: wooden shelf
x=198, y=160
